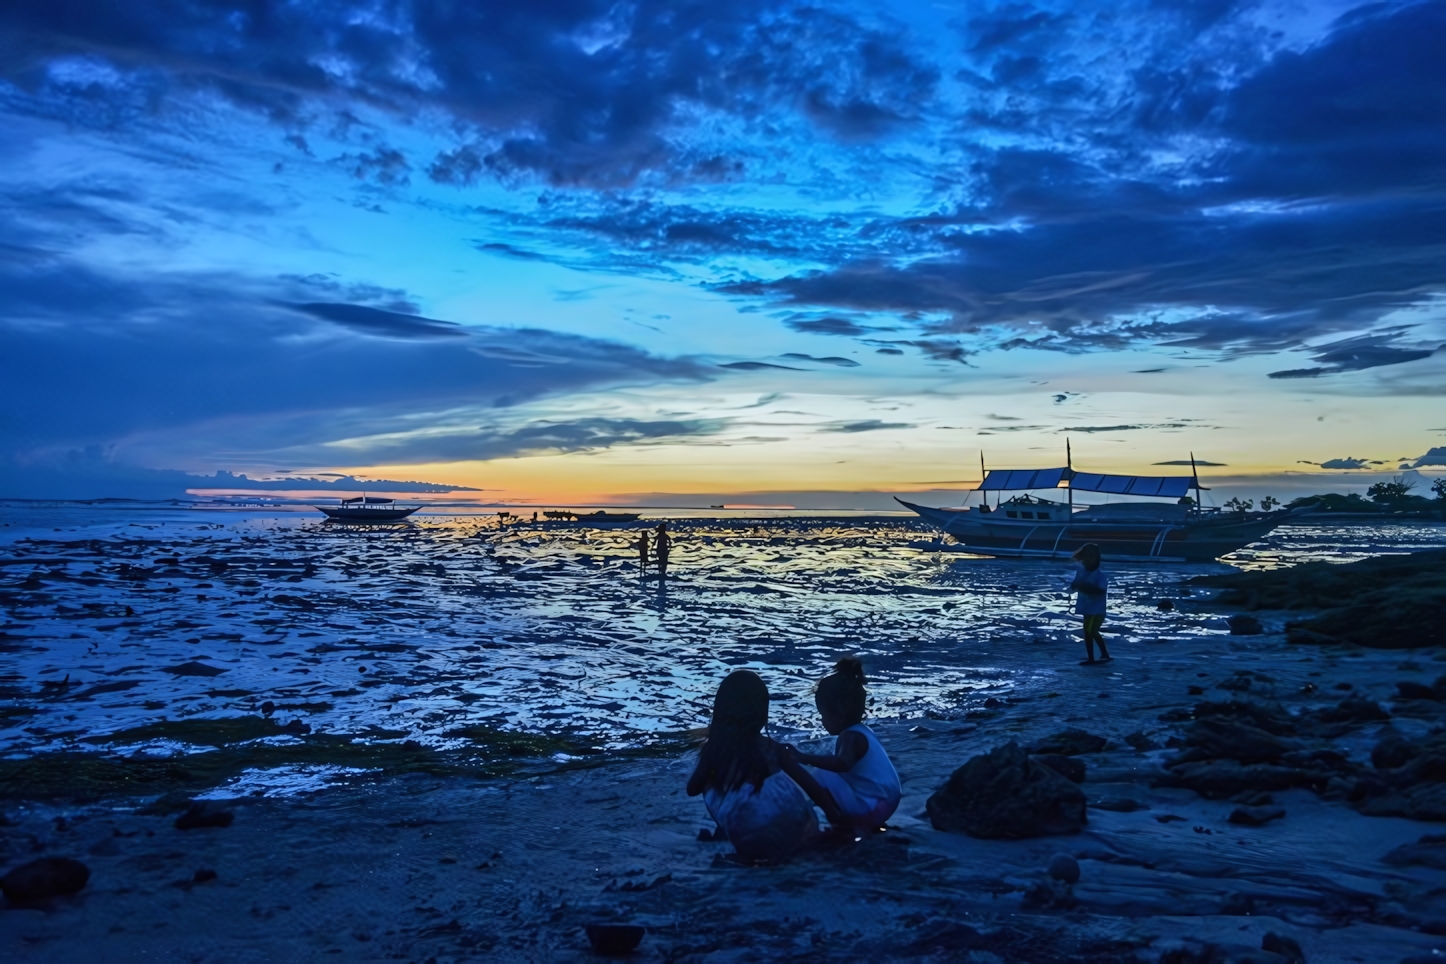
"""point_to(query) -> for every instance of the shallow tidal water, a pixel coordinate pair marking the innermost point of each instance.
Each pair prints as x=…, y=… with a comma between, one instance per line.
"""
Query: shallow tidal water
x=115, y=618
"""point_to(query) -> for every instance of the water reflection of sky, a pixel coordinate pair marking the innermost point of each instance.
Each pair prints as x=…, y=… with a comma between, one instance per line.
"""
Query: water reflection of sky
x=448, y=622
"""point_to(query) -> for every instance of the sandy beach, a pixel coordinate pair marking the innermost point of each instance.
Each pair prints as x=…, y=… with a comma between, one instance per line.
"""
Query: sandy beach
x=397, y=845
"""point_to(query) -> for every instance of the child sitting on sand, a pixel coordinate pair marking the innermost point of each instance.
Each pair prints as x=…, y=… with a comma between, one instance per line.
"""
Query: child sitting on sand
x=1092, y=585
x=753, y=801
x=856, y=785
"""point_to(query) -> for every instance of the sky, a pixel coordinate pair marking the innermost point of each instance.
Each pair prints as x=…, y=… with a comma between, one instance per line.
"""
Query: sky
x=676, y=252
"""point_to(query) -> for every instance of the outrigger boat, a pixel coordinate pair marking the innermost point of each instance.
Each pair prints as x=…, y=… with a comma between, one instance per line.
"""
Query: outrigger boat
x=367, y=509
x=593, y=518
x=1031, y=527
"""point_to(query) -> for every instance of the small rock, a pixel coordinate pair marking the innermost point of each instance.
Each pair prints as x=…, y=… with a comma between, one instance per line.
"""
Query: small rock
x=203, y=875
x=1069, y=743
x=1255, y=816
x=1243, y=625
x=43, y=878
x=1064, y=868
x=1284, y=946
x=1416, y=691
x=614, y=938
x=1355, y=709
x=1165, y=605
x=1119, y=805
x=1141, y=742
x=268, y=708
x=204, y=814
x=1345, y=686
x=1066, y=766
x=297, y=728
x=1195, y=690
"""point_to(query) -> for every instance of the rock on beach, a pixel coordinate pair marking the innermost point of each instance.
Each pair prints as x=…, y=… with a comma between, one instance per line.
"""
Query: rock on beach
x=1004, y=794
x=44, y=878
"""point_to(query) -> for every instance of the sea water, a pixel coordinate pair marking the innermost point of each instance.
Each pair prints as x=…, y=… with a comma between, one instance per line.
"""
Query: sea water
x=115, y=617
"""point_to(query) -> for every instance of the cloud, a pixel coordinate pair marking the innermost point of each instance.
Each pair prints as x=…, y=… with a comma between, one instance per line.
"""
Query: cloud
x=1346, y=463
x=868, y=425
x=222, y=370
x=1356, y=354
x=530, y=90
x=1196, y=462
x=1123, y=428
x=383, y=324
x=834, y=360
x=1433, y=456
x=1303, y=200
x=826, y=326
x=757, y=366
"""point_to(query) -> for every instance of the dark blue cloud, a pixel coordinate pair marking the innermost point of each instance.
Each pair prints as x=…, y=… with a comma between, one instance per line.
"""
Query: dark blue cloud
x=186, y=368
x=572, y=91
x=383, y=324
x=1355, y=354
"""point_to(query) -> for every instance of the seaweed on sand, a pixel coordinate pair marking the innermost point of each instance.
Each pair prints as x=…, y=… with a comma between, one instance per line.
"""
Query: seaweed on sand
x=1389, y=602
x=239, y=746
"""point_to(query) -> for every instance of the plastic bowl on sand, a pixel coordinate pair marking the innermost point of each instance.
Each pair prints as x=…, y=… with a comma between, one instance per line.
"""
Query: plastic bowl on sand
x=614, y=938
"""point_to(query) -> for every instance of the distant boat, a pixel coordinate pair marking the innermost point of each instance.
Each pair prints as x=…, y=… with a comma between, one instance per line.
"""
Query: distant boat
x=366, y=509
x=592, y=518
x=1030, y=527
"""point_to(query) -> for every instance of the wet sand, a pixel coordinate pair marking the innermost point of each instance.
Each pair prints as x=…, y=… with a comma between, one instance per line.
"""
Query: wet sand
x=419, y=867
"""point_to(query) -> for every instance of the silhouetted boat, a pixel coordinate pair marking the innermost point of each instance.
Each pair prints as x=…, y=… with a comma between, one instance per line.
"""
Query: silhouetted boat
x=1031, y=527
x=593, y=518
x=366, y=509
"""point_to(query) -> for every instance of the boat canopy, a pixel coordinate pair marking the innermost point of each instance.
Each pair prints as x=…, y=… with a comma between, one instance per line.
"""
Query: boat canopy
x=1159, y=486
x=368, y=500
x=1004, y=480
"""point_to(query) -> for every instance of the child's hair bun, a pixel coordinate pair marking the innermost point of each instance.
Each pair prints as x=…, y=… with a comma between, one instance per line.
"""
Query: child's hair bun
x=850, y=668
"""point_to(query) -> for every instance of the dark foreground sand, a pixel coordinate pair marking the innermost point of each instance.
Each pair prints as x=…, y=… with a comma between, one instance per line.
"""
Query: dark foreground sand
x=422, y=868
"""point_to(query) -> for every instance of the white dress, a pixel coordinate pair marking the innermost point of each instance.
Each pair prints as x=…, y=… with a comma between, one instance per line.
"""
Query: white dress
x=767, y=823
x=869, y=793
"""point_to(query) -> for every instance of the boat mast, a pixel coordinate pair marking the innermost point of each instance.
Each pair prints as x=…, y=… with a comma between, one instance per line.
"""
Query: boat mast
x=982, y=476
x=1069, y=475
x=1195, y=473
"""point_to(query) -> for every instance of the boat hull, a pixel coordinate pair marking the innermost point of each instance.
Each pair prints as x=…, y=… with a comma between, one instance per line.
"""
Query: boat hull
x=365, y=516
x=1120, y=541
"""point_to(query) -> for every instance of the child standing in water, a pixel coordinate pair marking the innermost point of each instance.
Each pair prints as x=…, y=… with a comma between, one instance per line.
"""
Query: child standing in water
x=1092, y=585
x=856, y=785
x=753, y=801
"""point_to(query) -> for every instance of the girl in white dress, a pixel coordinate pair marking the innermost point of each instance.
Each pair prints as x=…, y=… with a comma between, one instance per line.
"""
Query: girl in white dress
x=755, y=804
x=856, y=785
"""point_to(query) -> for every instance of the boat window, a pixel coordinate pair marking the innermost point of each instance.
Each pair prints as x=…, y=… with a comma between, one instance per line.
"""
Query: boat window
x=1026, y=515
x=1011, y=513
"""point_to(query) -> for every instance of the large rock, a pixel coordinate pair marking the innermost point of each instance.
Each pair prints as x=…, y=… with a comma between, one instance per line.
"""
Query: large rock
x=1355, y=709
x=43, y=878
x=1004, y=795
x=1243, y=625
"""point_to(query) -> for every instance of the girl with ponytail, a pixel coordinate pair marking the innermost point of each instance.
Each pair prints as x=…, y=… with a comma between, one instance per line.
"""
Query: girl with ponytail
x=856, y=785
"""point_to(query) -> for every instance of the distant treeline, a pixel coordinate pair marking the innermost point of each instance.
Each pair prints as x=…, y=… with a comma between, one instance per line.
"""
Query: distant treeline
x=1393, y=497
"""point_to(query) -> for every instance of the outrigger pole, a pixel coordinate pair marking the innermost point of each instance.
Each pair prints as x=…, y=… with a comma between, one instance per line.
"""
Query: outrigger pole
x=982, y=476
x=1195, y=473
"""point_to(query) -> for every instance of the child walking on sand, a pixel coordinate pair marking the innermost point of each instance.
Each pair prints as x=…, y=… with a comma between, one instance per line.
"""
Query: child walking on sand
x=856, y=785
x=1092, y=585
x=761, y=810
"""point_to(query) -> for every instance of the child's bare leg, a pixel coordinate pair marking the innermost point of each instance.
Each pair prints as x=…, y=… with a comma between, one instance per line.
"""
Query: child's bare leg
x=816, y=791
x=1089, y=640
